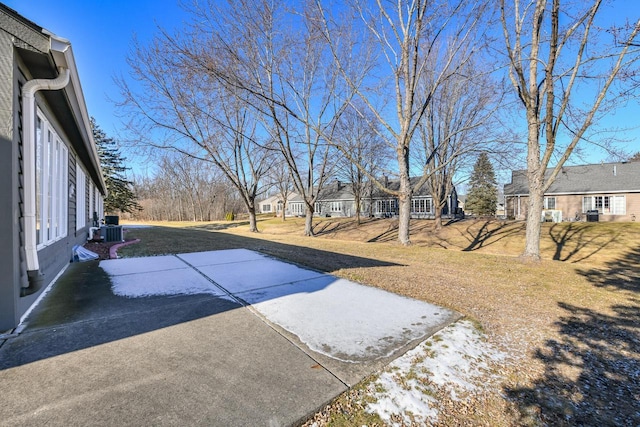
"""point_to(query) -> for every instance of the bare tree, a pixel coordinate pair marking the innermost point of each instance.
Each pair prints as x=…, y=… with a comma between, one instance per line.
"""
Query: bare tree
x=273, y=54
x=408, y=36
x=279, y=178
x=357, y=134
x=561, y=67
x=180, y=108
x=184, y=188
x=458, y=122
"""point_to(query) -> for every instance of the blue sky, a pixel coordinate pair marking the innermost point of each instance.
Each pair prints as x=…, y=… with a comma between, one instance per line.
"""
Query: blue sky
x=101, y=32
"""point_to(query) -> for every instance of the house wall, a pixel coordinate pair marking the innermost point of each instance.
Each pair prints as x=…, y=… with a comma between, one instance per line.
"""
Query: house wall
x=335, y=208
x=633, y=207
x=9, y=258
x=572, y=204
x=54, y=257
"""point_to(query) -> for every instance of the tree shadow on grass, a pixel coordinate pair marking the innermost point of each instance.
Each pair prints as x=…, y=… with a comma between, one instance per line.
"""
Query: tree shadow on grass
x=489, y=233
x=167, y=240
x=579, y=241
x=391, y=234
x=331, y=226
x=592, y=370
x=220, y=226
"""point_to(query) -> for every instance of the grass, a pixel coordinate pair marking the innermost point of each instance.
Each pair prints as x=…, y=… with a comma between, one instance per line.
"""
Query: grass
x=570, y=321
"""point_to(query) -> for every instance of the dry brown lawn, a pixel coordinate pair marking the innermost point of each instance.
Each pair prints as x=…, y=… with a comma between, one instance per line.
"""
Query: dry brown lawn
x=571, y=323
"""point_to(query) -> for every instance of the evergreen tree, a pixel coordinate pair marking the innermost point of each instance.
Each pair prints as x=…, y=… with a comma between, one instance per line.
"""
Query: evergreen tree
x=483, y=195
x=120, y=195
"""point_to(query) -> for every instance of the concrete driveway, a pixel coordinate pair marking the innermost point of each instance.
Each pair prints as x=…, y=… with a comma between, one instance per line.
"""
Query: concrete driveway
x=212, y=338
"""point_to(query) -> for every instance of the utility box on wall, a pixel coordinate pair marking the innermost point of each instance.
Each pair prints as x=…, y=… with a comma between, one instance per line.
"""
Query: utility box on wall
x=111, y=233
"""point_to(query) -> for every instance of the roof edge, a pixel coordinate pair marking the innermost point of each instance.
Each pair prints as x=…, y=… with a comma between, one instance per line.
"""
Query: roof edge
x=62, y=53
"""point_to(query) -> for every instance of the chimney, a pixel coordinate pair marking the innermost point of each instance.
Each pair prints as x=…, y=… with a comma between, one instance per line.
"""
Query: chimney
x=338, y=185
x=385, y=179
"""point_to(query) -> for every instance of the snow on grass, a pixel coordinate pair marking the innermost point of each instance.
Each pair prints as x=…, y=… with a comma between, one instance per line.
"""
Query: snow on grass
x=454, y=360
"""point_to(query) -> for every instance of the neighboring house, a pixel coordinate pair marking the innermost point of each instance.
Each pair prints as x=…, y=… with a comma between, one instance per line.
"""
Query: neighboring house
x=50, y=177
x=274, y=204
x=612, y=189
x=337, y=200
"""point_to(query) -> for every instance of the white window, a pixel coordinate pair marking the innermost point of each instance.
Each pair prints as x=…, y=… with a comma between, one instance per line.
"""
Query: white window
x=387, y=207
x=52, y=180
x=296, y=208
x=266, y=207
x=81, y=197
x=606, y=205
x=336, y=206
x=100, y=208
x=549, y=202
x=421, y=206
x=91, y=196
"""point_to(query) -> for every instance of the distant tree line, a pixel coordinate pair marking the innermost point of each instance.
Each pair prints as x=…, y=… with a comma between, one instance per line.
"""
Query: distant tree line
x=185, y=189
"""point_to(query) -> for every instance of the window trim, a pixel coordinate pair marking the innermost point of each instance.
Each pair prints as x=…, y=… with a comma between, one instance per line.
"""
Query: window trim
x=81, y=197
x=421, y=205
x=52, y=184
x=547, y=199
x=606, y=204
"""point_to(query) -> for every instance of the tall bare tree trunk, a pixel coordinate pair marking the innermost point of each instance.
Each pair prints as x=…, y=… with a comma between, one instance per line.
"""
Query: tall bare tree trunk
x=308, y=223
x=534, y=213
x=536, y=178
x=253, y=224
x=437, y=214
x=404, y=199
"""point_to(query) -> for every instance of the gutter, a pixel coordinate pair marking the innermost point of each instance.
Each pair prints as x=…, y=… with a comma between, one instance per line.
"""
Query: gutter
x=35, y=277
x=62, y=53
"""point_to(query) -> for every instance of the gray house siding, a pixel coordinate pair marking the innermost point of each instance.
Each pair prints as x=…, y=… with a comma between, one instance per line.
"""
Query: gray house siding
x=337, y=200
x=9, y=258
x=25, y=55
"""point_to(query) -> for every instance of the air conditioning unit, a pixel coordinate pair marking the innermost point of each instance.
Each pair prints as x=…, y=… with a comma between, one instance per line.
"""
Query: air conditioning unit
x=112, y=233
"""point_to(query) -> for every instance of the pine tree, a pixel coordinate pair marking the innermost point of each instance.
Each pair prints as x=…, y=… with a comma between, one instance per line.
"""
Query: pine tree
x=482, y=199
x=121, y=196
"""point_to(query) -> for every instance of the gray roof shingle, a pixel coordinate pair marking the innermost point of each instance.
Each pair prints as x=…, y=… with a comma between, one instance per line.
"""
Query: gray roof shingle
x=595, y=178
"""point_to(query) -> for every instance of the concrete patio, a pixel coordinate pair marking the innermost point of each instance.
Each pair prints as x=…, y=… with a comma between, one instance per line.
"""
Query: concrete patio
x=212, y=338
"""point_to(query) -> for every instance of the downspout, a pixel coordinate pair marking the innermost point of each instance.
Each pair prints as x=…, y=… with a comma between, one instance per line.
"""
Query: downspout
x=35, y=277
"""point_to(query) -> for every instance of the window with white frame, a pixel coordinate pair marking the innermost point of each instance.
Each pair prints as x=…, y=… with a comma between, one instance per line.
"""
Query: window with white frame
x=52, y=179
x=549, y=202
x=91, y=199
x=81, y=197
x=606, y=205
x=336, y=206
x=296, y=208
x=387, y=206
x=266, y=207
x=421, y=206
